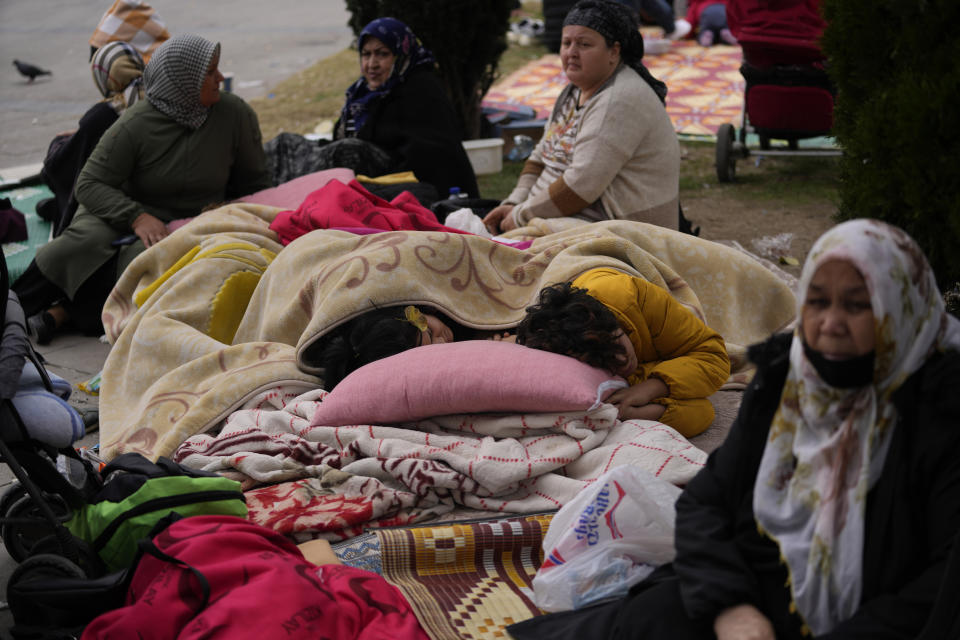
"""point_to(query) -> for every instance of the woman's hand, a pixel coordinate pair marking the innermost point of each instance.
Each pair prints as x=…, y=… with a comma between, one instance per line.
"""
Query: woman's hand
x=503, y=337
x=634, y=401
x=149, y=229
x=497, y=220
x=743, y=622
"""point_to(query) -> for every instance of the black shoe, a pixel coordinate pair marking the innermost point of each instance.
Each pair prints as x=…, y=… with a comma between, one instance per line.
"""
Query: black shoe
x=47, y=209
x=41, y=327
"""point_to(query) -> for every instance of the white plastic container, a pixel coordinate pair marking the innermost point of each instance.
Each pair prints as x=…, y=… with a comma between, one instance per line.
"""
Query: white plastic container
x=486, y=155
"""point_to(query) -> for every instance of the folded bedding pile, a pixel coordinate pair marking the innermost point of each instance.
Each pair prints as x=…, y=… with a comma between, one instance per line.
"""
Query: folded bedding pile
x=308, y=480
x=212, y=330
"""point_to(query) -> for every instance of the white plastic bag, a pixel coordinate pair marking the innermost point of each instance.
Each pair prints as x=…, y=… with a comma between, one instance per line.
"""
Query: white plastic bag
x=608, y=538
x=466, y=220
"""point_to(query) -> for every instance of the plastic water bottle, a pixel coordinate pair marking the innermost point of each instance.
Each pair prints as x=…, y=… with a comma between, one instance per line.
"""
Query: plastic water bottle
x=456, y=194
x=522, y=148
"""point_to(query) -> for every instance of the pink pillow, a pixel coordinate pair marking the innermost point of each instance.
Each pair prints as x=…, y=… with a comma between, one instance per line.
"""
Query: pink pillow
x=473, y=376
x=291, y=194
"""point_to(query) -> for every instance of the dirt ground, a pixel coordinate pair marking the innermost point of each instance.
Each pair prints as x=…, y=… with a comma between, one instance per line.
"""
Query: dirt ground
x=796, y=196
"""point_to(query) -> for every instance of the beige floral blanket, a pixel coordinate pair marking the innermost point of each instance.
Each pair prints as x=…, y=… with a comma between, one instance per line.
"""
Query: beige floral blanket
x=220, y=311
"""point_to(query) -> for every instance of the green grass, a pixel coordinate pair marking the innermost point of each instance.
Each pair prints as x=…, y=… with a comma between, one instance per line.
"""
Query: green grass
x=800, y=180
x=532, y=9
x=499, y=185
x=516, y=56
x=792, y=179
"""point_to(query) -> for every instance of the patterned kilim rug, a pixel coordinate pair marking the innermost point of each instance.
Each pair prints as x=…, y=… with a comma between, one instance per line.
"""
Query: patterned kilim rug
x=19, y=254
x=362, y=552
x=466, y=580
x=705, y=86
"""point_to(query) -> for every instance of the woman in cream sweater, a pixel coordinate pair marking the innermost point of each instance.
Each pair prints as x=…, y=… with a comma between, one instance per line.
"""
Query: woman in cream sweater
x=609, y=150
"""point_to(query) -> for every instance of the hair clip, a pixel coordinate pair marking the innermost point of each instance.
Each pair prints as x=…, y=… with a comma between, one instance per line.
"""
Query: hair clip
x=413, y=315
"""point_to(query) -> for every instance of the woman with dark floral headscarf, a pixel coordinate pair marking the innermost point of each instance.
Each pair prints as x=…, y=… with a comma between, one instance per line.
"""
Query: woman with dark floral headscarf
x=609, y=150
x=389, y=53
x=167, y=157
x=396, y=117
x=832, y=509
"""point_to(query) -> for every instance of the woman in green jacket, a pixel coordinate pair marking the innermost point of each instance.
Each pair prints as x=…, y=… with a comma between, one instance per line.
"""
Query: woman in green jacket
x=168, y=157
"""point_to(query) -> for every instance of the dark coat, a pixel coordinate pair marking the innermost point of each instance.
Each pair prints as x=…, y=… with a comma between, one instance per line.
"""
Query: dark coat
x=911, y=560
x=912, y=518
x=66, y=156
x=416, y=124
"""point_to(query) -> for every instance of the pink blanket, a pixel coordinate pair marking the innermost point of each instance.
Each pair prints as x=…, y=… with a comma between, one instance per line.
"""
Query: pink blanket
x=349, y=206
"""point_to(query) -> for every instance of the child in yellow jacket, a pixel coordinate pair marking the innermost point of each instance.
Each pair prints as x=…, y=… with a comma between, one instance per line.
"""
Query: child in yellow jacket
x=637, y=330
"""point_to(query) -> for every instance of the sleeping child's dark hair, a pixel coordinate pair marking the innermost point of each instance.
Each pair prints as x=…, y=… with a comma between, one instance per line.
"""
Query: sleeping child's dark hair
x=569, y=321
x=379, y=333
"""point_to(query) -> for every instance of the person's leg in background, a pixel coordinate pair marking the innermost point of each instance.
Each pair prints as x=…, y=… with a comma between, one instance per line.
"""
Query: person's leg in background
x=661, y=13
x=713, y=26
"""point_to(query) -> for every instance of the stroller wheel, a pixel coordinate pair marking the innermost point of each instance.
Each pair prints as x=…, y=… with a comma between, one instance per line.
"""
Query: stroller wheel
x=726, y=160
x=42, y=594
x=87, y=558
x=22, y=538
x=45, y=565
x=13, y=493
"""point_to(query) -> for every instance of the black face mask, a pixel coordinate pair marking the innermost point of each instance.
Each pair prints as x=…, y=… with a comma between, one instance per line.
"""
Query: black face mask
x=842, y=374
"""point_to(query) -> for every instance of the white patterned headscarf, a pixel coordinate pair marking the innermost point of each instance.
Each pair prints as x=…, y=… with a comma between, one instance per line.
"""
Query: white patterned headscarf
x=827, y=445
x=118, y=73
x=174, y=78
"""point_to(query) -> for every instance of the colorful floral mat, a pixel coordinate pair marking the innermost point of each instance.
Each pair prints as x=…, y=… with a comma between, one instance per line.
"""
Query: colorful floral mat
x=466, y=580
x=705, y=86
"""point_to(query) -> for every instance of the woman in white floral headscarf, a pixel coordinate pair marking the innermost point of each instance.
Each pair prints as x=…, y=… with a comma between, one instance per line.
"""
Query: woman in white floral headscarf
x=831, y=435
x=832, y=508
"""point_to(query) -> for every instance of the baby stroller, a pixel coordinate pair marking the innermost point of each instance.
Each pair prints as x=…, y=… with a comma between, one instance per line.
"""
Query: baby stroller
x=37, y=429
x=788, y=94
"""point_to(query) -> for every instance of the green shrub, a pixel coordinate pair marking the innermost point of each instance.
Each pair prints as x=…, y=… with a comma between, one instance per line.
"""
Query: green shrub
x=894, y=63
x=466, y=37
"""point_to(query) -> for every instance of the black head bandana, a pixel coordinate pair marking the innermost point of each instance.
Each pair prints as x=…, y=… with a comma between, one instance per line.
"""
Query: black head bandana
x=617, y=23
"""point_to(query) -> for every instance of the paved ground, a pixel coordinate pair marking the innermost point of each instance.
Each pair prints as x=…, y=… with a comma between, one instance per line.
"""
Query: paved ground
x=262, y=43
